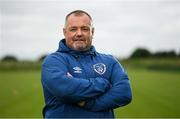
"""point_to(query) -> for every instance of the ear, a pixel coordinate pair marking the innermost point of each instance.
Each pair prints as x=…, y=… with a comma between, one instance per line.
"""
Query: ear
x=64, y=31
x=93, y=31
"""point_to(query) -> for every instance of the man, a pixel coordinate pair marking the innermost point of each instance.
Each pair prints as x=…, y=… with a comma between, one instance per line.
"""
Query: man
x=79, y=82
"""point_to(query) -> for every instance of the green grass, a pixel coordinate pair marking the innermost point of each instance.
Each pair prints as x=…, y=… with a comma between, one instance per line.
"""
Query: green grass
x=166, y=64
x=156, y=93
x=21, y=94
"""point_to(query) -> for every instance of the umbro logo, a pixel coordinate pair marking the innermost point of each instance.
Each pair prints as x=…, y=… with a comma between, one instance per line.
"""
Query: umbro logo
x=77, y=69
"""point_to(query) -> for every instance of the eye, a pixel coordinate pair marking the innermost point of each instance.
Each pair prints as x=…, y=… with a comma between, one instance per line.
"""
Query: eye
x=72, y=29
x=85, y=29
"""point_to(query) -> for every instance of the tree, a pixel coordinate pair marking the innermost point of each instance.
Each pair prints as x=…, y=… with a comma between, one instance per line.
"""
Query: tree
x=9, y=58
x=42, y=58
x=170, y=54
x=141, y=53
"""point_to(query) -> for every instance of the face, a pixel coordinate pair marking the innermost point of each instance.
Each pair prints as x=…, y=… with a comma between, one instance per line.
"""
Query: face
x=78, y=32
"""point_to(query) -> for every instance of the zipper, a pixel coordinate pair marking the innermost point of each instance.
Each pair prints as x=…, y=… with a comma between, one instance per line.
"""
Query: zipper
x=79, y=61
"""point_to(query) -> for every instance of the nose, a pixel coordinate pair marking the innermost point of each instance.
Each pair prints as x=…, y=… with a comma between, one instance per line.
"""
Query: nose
x=79, y=32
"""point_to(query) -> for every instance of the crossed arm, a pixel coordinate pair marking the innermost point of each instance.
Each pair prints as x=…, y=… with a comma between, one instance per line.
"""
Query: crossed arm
x=67, y=88
x=92, y=94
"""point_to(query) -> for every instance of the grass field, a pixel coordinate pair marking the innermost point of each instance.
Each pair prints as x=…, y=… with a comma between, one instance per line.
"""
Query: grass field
x=21, y=94
x=156, y=93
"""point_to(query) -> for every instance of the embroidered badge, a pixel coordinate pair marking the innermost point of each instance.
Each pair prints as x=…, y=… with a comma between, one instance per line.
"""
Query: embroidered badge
x=77, y=69
x=100, y=68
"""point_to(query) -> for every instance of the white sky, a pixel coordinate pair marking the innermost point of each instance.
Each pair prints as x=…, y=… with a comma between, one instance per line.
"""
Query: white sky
x=31, y=28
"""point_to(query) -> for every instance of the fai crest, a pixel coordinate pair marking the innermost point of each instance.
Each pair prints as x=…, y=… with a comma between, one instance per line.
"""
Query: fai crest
x=100, y=68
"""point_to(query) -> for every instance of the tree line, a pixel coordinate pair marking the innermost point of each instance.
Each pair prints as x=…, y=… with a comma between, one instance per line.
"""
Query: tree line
x=144, y=53
x=12, y=58
x=138, y=53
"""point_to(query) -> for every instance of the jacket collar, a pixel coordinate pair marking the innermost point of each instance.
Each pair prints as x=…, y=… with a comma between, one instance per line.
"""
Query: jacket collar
x=63, y=48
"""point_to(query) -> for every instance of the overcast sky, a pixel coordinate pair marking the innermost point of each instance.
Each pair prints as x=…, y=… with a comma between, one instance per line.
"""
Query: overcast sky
x=31, y=28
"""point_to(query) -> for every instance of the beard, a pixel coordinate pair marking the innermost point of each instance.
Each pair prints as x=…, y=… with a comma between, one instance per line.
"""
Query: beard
x=81, y=45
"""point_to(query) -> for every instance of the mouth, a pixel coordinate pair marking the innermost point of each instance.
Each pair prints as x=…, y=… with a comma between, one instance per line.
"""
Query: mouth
x=79, y=39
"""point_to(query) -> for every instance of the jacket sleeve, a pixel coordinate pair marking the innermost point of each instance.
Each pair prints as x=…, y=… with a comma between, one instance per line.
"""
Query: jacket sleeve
x=67, y=88
x=118, y=95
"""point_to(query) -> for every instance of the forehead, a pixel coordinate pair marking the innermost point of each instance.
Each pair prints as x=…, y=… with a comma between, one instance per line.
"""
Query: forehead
x=78, y=20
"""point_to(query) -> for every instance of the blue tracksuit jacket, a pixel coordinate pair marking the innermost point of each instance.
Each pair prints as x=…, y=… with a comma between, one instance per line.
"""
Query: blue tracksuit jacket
x=97, y=79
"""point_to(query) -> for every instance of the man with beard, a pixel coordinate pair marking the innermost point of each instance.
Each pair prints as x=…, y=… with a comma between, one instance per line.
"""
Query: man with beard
x=79, y=82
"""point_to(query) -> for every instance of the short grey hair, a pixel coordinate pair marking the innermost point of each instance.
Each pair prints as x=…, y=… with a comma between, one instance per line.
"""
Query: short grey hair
x=78, y=13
